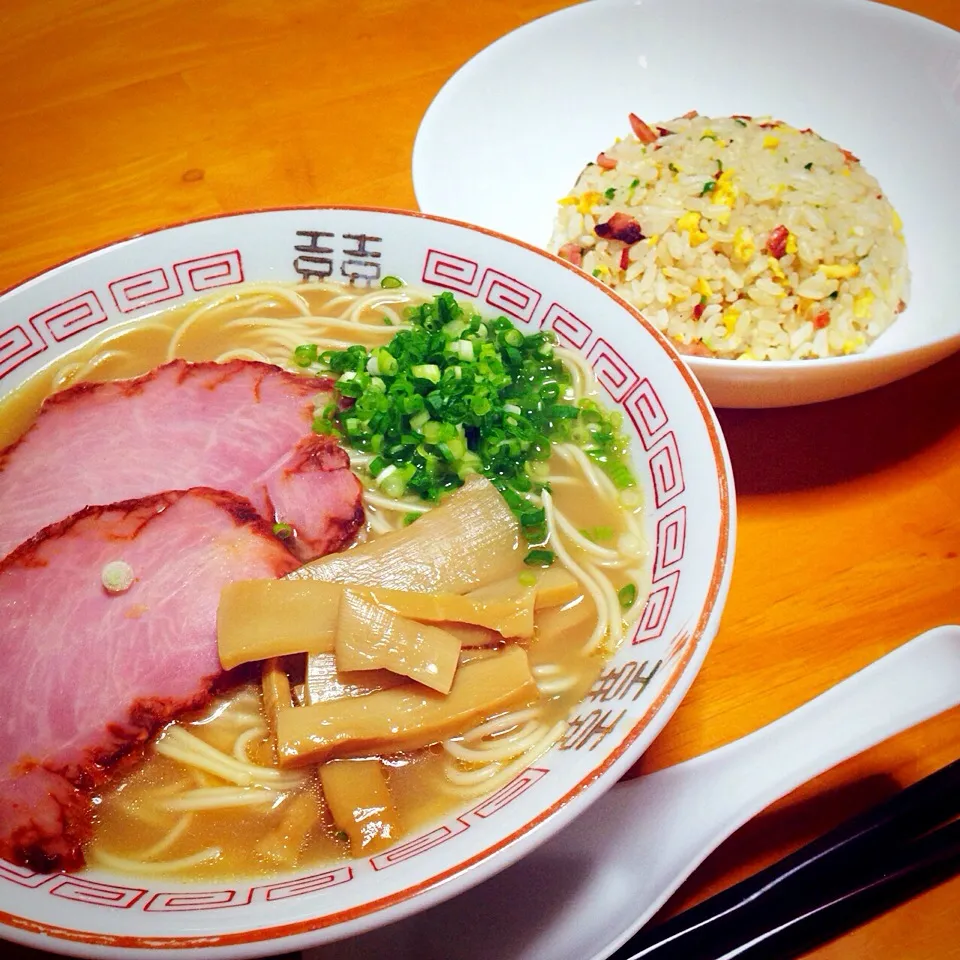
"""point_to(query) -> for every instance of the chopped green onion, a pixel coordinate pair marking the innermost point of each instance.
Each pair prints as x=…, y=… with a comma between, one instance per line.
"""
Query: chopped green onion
x=628, y=595
x=455, y=394
x=426, y=371
x=610, y=193
x=305, y=354
x=742, y=123
x=598, y=534
x=391, y=283
x=408, y=518
x=709, y=187
x=539, y=558
x=808, y=166
x=634, y=183
x=527, y=578
x=533, y=517
x=282, y=530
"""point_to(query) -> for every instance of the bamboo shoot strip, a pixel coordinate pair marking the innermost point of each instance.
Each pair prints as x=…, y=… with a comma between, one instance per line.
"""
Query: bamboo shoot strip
x=277, y=699
x=551, y=587
x=325, y=682
x=509, y=616
x=284, y=843
x=470, y=540
x=371, y=637
x=407, y=717
x=258, y=619
x=358, y=797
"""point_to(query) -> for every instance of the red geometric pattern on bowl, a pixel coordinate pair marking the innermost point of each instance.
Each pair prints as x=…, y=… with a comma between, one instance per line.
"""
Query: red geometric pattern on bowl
x=569, y=328
x=671, y=540
x=655, y=614
x=68, y=887
x=149, y=287
x=73, y=316
x=83, y=890
x=646, y=411
x=18, y=344
x=486, y=808
x=499, y=290
x=190, y=900
x=612, y=371
x=666, y=470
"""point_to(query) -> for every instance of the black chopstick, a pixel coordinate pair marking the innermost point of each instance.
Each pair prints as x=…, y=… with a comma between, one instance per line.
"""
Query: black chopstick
x=855, y=856
x=915, y=867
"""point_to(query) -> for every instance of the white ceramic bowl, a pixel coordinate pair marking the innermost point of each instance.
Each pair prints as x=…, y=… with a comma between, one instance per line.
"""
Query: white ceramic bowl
x=509, y=133
x=679, y=456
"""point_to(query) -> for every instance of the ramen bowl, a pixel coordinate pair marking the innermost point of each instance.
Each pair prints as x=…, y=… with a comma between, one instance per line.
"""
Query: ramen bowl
x=677, y=456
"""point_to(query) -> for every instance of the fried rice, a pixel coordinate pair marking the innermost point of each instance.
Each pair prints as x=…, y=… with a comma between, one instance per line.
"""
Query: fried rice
x=740, y=238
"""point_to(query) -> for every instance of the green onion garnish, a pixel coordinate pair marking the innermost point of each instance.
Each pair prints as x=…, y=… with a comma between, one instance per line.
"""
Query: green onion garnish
x=539, y=558
x=628, y=595
x=808, y=166
x=527, y=578
x=597, y=534
x=282, y=530
x=610, y=193
x=708, y=187
x=305, y=354
x=458, y=394
x=391, y=283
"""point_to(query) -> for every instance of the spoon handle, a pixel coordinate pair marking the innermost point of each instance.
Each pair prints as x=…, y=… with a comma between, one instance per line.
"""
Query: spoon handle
x=698, y=804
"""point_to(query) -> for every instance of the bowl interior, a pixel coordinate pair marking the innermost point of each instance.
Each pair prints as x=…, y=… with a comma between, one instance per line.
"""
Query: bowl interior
x=679, y=457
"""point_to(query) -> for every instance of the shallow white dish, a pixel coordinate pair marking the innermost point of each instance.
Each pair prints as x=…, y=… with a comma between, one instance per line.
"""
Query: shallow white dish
x=510, y=131
x=680, y=461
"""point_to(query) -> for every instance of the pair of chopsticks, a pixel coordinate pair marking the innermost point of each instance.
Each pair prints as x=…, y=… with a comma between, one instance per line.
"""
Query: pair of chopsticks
x=861, y=868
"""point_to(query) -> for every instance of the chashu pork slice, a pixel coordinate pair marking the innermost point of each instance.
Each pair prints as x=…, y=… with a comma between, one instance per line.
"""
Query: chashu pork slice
x=240, y=426
x=88, y=675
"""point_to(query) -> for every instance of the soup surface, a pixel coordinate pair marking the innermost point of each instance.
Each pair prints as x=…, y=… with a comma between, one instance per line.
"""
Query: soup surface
x=208, y=799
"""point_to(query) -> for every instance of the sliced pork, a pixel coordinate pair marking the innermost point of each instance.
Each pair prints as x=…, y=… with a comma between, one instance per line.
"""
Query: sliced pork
x=88, y=674
x=239, y=426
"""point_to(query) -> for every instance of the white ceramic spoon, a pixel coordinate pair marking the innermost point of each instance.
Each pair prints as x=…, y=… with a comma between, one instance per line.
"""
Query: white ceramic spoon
x=588, y=889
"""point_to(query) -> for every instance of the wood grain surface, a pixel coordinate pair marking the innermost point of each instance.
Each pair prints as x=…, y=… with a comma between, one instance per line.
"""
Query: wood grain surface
x=124, y=115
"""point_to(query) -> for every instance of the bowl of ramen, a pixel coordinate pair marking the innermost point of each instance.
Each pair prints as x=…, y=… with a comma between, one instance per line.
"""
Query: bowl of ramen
x=791, y=250
x=345, y=556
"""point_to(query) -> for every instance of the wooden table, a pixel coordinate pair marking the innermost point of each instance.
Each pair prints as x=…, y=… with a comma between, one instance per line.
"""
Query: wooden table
x=122, y=116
